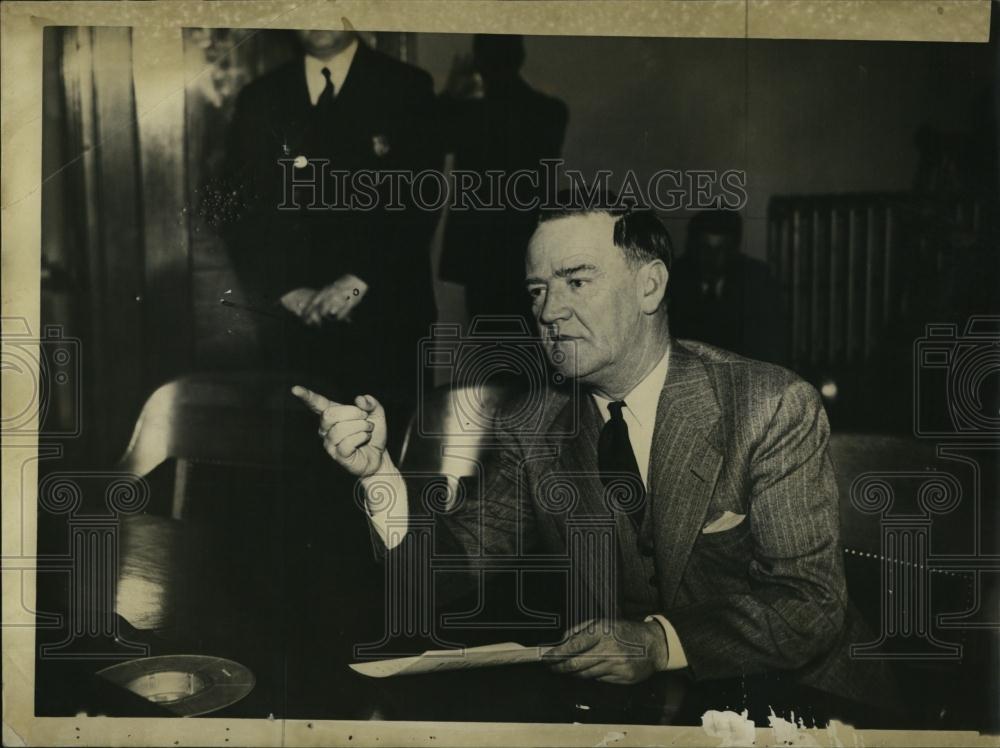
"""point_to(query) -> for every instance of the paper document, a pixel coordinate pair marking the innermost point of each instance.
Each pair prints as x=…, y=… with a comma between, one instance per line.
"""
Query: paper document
x=507, y=653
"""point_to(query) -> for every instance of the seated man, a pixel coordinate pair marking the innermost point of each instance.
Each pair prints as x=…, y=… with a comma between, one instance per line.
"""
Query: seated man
x=728, y=559
x=721, y=296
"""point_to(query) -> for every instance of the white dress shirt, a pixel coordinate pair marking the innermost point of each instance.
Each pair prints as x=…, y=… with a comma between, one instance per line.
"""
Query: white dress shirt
x=339, y=65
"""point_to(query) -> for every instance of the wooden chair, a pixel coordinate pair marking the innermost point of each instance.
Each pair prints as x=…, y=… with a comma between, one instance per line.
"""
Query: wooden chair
x=239, y=419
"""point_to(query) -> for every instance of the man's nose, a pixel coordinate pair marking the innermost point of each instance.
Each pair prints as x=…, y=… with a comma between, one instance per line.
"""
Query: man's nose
x=554, y=309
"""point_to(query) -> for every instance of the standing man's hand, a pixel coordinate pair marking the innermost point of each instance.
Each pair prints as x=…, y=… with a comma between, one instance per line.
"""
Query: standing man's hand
x=297, y=300
x=353, y=435
x=336, y=300
x=613, y=651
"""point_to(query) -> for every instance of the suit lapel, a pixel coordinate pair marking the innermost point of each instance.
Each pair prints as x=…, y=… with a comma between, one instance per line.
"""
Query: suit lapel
x=290, y=110
x=308, y=129
x=577, y=463
x=298, y=88
x=578, y=456
x=354, y=84
x=683, y=466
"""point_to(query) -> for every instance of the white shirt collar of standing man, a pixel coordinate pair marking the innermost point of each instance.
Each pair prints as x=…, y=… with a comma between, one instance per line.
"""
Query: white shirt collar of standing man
x=339, y=65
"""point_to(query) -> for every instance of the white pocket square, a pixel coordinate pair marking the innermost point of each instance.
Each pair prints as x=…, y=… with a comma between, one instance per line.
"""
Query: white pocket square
x=727, y=521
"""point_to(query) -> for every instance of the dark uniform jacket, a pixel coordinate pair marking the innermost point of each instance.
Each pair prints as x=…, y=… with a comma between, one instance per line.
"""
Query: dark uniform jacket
x=381, y=120
x=510, y=130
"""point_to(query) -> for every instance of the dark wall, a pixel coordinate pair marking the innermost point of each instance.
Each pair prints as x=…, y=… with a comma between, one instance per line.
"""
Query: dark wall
x=801, y=117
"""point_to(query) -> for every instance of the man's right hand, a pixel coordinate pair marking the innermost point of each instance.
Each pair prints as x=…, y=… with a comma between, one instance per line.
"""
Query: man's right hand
x=353, y=435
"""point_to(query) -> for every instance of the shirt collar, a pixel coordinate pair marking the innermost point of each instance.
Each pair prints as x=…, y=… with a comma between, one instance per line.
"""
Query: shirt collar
x=644, y=398
x=339, y=65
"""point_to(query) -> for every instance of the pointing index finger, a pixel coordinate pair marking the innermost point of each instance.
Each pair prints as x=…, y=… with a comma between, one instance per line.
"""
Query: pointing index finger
x=316, y=402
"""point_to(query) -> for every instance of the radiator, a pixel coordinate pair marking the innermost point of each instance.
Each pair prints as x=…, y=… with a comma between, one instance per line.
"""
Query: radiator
x=846, y=262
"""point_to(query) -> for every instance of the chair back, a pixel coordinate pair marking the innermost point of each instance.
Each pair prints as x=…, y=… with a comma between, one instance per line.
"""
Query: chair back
x=238, y=418
x=225, y=418
x=858, y=460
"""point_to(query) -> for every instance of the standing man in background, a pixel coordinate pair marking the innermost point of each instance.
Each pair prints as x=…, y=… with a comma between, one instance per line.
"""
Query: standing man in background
x=493, y=120
x=350, y=290
x=721, y=296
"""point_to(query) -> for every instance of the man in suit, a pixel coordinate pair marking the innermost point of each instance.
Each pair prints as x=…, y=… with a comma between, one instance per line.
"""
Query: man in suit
x=719, y=295
x=349, y=290
x=494, y=121
x=728, y=561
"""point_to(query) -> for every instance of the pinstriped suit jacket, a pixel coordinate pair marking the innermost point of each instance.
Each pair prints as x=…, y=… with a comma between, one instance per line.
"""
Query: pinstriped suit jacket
x=731, y=434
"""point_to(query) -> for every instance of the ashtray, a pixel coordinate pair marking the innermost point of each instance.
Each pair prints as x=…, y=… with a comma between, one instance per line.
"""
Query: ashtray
x=186, y=685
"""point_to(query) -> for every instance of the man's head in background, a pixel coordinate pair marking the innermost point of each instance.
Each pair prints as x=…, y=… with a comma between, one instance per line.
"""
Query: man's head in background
x=714, y=238
x=324, y=44
x=597, y=281
x=498, y=57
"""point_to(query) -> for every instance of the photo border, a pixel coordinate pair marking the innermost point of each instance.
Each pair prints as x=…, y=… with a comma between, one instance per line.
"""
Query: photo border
x=20, y=136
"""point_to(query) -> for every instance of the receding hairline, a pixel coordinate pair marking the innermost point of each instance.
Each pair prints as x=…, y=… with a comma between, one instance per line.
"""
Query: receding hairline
x=635, y=254
x=561, y=220
x=589, y=215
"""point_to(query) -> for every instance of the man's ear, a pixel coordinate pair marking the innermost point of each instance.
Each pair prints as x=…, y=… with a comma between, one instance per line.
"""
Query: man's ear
x=653, y=277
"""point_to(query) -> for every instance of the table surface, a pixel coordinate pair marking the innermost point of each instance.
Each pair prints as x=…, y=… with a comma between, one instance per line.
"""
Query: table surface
x=288, y=587
x=300, y=640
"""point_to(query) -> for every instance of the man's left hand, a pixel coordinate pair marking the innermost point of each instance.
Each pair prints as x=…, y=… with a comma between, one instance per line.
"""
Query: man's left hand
x=612, y=651
x=336, y=300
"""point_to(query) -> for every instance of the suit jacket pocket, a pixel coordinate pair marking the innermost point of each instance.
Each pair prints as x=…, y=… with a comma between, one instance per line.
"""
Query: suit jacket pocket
x=726, y=552
x=724, y=522
x=719, y=565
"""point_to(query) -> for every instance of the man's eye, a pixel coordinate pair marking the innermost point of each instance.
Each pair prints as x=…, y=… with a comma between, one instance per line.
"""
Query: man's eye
x=536, y=292
x=576, y=282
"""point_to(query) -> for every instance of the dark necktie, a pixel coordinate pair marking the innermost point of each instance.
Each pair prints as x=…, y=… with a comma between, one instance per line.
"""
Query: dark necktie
x=617, y=467
x=326, y=95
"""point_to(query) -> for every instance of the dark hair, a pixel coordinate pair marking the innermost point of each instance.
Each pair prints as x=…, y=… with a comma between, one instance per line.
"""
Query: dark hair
x=723, y=222
x=639, y=233
x=498, y=53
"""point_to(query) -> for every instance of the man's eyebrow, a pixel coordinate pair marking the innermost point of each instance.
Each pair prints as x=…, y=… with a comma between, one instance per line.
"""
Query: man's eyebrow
x=561, y=273
x=564, y=272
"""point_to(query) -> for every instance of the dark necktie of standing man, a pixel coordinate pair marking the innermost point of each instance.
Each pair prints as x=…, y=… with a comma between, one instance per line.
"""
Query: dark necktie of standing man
x=617, y=466
x=326, y=95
